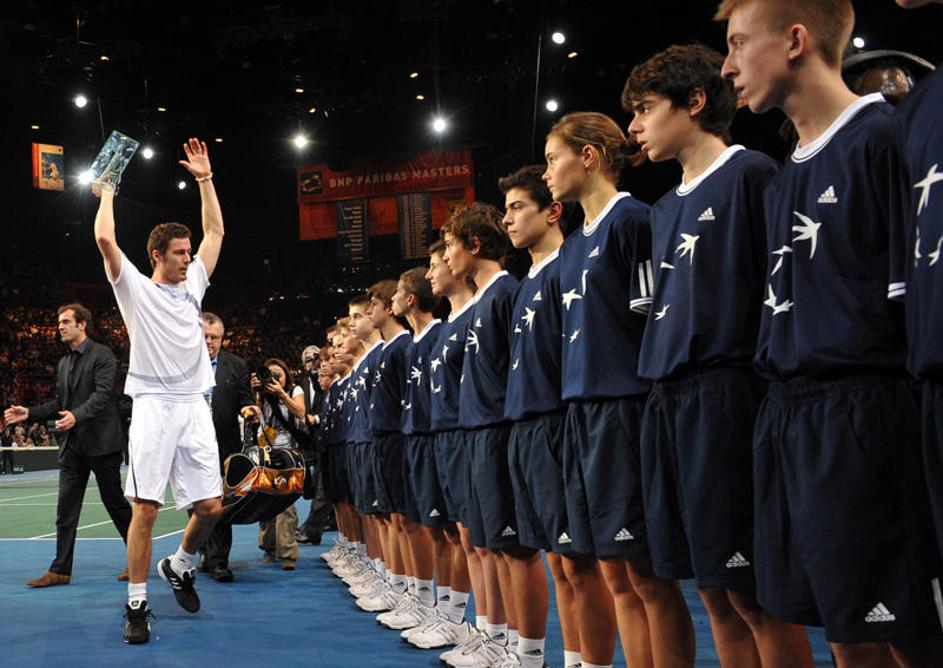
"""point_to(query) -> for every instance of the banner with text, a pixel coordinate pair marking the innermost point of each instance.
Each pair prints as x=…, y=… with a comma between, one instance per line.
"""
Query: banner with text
x=353, y=241
x=415, y=225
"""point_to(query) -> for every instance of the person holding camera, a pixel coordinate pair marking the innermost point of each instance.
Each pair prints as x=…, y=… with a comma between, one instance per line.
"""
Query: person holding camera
x=84, y=412
x=280, y=412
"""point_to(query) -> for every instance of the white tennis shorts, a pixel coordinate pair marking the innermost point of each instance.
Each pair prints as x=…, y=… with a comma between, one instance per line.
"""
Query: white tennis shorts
x=172, y=441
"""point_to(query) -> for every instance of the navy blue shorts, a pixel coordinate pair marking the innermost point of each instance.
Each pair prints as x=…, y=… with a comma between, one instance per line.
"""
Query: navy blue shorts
x=366, y=500
x=489, y=512
x=425, y=501
x=336, y=488
x=535, y=458
x=451, y=460
x=842, y=529
x=697, y=476
x=350, y=472
x=388, y=453
x=602, y=477
x=932, y=422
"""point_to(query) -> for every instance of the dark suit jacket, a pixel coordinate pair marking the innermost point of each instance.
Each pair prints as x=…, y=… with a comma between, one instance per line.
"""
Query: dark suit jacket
x=91, y=397
x=232, y=393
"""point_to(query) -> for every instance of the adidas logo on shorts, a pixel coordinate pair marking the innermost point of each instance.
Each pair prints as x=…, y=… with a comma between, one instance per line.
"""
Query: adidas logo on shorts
x=737, y=561
x=564, y=539
x=376, y=504
x=828, y=197
x=434, y=513
x=508, y=531
x=880, y=613
x=623, y=535
x=707, y=215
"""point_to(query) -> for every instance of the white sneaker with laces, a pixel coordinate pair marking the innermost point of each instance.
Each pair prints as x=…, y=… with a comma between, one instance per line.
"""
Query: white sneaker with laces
x=442, y=634
x=474, y=639
x=413, y=615
x=379, y=599
x=486, y=655
x=429, y=621
x=365, y=584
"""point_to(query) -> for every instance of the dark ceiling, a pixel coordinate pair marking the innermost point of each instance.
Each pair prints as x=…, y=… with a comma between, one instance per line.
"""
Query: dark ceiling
x=230, y=70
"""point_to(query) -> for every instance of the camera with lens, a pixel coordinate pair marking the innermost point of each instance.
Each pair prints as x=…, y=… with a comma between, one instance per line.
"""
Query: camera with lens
x=264, y=374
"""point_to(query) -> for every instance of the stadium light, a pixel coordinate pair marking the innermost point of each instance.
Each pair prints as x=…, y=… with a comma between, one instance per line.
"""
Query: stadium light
x=80, y=101
x=439, y=124
x=558, y=37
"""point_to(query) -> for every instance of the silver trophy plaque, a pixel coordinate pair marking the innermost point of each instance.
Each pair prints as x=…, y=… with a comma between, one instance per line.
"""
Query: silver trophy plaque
x=113, y=158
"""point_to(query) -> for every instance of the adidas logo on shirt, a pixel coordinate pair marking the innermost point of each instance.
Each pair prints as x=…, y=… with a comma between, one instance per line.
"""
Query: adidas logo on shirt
x=508, y=531
x=434, y=513
x=737, y=561
x=594, y=252
x=707, y=215
x=828, y=197
x=880, y=613
x=564, y=539
x=623, y=535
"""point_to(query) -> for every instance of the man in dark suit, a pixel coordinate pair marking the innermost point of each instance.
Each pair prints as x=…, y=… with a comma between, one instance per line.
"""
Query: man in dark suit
x=86, y=418
x=320, y=512
x=230, y=394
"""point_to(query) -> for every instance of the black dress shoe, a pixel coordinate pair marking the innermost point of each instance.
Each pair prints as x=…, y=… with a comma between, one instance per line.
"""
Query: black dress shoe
x=222, y=574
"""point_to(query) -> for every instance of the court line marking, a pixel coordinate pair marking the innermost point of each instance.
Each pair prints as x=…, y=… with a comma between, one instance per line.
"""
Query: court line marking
x=89, y=526
x=31, y=496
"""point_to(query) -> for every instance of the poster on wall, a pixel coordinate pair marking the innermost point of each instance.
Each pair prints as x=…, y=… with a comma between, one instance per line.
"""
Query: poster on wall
x=48, y=167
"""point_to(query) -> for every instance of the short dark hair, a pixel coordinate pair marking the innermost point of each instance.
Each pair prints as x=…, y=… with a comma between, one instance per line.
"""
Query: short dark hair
x=416, y=283
x=79, y=313
x=679, y=71
x=274, y=361
x=481, y=221
x=437, y=247
x=360, y=300
x=529, y=179
x=160, y=237
x=384, y=291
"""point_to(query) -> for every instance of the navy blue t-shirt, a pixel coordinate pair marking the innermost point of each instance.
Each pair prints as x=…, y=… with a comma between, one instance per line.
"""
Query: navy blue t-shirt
x=445, y=368
x=326, y=414
x=485, y=368
x=341, y=419
x=606, y=289
x=389, y=385
x=838, y=206
x=417, y=418
x=359, y=395
x=919, y=118
x=534, y=378
x=709, y=259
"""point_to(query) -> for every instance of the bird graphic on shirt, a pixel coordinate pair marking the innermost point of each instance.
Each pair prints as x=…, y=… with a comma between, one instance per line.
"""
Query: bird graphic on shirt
x=917, y=254
x=583, y=280
x=569, y=297
x=434, y=364
x=528, y=317
x=809, y=230
x=778, y=307
x=574, y=335
x=665, y=265
x=515, y=365
x=472, y=341
x=779, y=263
x=362, y=382
x=686, y=247
x=935, y=255
x=536, y=297
x=925, y=184
x=435, y=388
x=445, y=351
x=662, y=313
x=416, y=374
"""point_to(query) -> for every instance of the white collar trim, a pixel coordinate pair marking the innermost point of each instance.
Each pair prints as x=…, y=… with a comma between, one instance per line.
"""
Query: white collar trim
x=483, y=289
x=589, y=228
x=366, y=354
x=537, y=268
x=467, y=305
x=432, y=323
x=720, y=161
x=402, y=332
x=803, y=153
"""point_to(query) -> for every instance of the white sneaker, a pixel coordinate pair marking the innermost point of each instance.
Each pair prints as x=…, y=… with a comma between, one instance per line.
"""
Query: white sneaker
x=360, y=568
x=485, y=655
x=412, y=614
x=364, y=584
x=429, y=621
x=475, y=637
x=441, y=634
x=334, y=552
x=380, y=599
x=511, y=660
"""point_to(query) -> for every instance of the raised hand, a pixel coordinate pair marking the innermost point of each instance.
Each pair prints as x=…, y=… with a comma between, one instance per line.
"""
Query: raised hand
x=198, y=158
x=15, y=414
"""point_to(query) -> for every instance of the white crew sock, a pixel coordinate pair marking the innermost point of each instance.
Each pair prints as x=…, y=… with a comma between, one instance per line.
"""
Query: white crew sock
x=457, y=606
x=425, y=592
x=397, y=582
x=595, y=665
x=514, y=637
x=498, y=633
x=182, y=561
x=531, y=652
x=137, y=593
x=481, y=622
x=443, y=596
x=571, y=659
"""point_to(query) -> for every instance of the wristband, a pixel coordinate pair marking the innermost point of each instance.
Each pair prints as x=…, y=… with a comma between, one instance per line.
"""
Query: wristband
x=201, y=179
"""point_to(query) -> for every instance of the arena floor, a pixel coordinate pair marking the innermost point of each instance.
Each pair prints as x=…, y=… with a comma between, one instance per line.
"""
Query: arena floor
x=300, y=618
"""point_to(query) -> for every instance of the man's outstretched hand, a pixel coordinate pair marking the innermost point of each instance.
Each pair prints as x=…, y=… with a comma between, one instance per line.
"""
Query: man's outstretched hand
x=198, y=158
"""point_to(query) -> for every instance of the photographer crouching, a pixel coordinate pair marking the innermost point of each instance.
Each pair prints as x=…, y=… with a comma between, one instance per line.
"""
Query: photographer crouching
x=280, y=412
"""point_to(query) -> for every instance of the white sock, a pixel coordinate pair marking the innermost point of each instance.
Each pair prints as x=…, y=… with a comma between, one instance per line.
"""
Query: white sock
x=182, y=561
x=514, y=637
x=498, y=633
x=457, y=605
x=397, y=582
x=379, y=567
x=137, y=593
x=570, y=658
x=595, y=665
x=425, y=592
x=443, y=595
x=362, y=551
x=531, y=652
x=481, y=622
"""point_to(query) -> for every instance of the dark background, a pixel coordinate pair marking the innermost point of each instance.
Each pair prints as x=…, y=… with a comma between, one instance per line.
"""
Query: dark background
x=229, y=70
